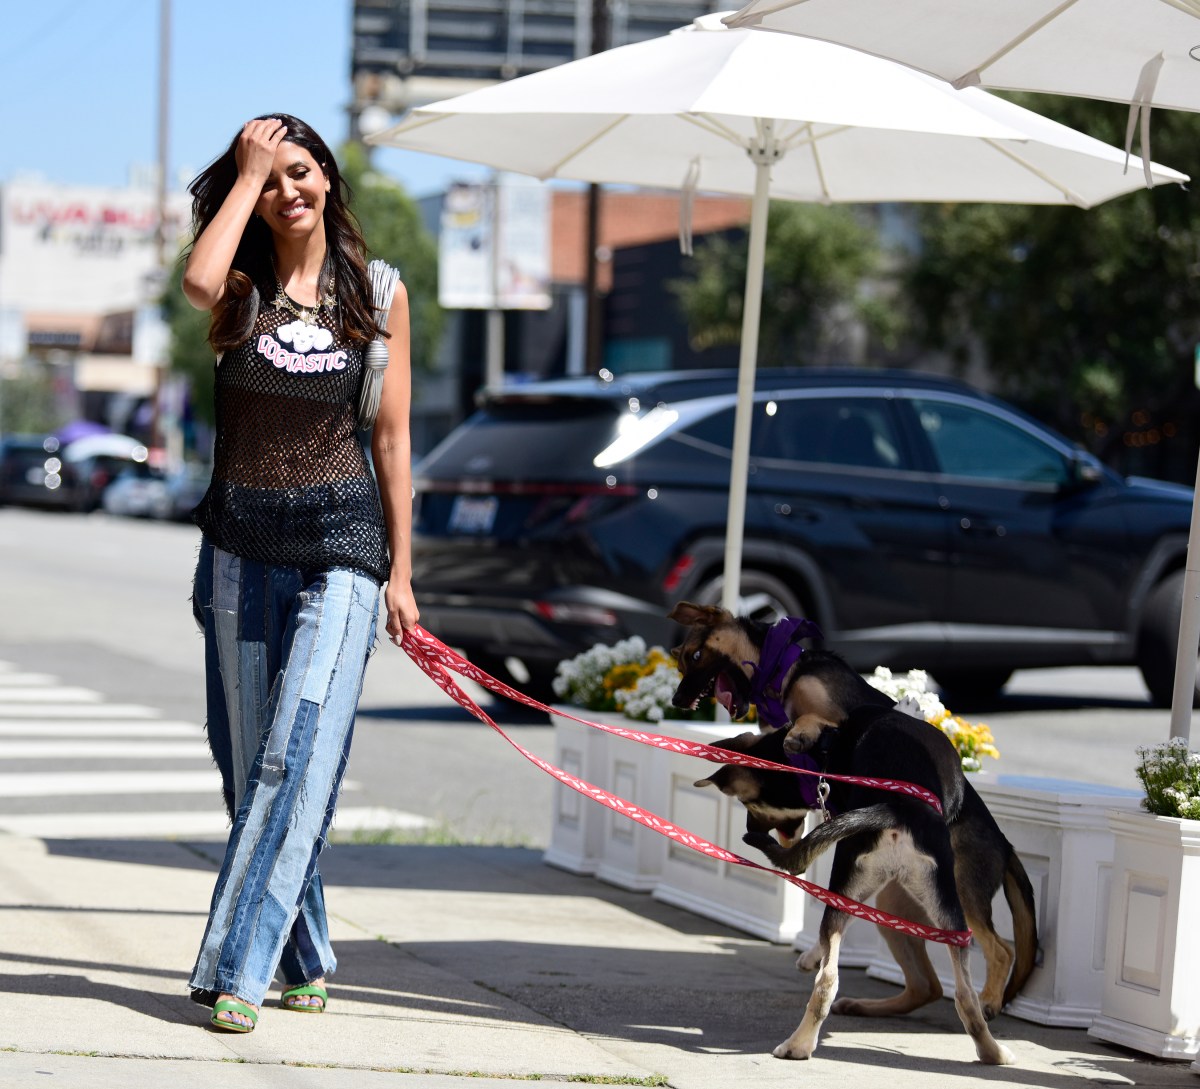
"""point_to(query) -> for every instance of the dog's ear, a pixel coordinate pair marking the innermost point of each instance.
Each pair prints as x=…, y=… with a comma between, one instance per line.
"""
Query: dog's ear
x=688, y=614
x=709, y=782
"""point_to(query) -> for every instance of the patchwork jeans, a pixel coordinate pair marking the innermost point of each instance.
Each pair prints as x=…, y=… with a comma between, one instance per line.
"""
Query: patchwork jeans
x=285, y=653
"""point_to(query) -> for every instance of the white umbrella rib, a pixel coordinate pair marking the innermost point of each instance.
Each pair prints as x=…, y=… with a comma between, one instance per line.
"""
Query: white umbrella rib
x=581, y=148
x=1188, y=7
x=1070, y=194
x=975, y=75
x=804, y=135
x=816, y=154
x=714, y=128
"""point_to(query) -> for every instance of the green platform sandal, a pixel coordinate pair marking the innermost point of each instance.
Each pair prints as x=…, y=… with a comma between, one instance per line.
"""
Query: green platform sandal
x=309, y=990
x=232, y=1005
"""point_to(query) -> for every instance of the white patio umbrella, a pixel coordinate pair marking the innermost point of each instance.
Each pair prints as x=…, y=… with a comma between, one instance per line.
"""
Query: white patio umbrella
x=731, y=111
x=1135, y=51
x=1142, y=52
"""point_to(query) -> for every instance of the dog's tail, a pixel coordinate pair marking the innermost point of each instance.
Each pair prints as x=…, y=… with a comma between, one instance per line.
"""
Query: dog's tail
x=798, y=857
x=1018, y=891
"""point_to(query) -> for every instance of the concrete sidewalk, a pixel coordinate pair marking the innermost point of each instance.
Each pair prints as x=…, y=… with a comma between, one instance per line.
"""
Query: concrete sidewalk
x=459, y=966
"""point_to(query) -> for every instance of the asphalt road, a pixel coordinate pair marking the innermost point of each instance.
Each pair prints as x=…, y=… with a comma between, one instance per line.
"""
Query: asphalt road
x=101, y=604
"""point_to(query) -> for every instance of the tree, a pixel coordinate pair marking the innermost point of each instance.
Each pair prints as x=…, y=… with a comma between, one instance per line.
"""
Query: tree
x=820, y=265
x=395, y=232
x=28, y=403
x=188, y=352
x=1084, y=315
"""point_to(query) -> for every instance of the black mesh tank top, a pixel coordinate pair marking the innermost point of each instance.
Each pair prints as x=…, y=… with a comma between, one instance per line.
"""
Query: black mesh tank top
x=291, y=484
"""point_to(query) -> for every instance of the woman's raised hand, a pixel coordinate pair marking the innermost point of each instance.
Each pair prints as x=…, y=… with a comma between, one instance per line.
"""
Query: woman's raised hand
x=257, y=145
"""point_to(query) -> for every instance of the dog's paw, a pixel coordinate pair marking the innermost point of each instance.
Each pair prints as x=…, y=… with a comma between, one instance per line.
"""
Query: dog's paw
x=997, y=1055
x=789, y=1049
x=809, y=960
x=764, y=841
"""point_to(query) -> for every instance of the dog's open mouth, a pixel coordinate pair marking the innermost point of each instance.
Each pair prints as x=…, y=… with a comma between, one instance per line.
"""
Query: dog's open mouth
x=723, y=693
x=721, y=689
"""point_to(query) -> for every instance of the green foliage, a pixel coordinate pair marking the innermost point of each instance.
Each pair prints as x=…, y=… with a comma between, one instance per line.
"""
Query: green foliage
x=27, y=403
x=392, y=225
x=188, y=351
x=1078, y=311
x=1170, y=776
x=817, y=259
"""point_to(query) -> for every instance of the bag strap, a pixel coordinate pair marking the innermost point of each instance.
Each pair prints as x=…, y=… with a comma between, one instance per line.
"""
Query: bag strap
x=384, y=279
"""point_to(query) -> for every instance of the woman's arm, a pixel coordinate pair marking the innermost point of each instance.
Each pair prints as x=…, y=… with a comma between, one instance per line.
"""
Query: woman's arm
x=391, y=448
x=212, y=255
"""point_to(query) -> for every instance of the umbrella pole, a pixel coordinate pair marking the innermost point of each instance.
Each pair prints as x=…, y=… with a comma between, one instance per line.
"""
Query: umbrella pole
x=1183, y=694
x=762, y=155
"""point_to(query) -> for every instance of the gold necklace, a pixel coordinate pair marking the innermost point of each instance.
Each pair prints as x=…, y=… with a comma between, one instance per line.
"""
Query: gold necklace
x=304, y=333
x=307, y=314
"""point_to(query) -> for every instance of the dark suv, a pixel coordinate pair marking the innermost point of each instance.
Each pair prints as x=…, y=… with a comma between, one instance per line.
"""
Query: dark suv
x=919, y=522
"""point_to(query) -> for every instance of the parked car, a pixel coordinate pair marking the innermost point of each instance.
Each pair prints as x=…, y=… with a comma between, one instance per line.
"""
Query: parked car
x=919, y=522
x=31, y=470
x=139, y=491
x=38, y=470
x=143, y=491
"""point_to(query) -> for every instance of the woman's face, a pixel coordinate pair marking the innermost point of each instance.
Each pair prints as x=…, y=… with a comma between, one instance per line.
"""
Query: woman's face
x=293, y=196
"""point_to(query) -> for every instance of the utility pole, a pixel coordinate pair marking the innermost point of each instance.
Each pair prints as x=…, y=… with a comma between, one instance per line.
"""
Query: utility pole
x=164, y=428
x=164, y=98
x=594, y=342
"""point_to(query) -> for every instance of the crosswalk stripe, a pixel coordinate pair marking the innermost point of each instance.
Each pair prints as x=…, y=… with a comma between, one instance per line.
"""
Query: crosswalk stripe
x=76, y=710
x=102, y=749
x=49, y=694
x=182, y=824
x=39, y=728
x=18, y=680
x=69, y=784
x=42, y=719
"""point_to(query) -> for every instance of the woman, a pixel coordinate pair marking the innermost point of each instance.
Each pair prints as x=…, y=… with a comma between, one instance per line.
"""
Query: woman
x=298, y=538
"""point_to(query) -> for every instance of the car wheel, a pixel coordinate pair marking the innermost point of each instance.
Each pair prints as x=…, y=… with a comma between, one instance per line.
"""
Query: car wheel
x=1158, y=640
x=972, y=685
x=763, y=596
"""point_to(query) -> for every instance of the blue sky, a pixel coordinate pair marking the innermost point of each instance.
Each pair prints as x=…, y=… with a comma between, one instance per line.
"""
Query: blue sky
x=79, y=85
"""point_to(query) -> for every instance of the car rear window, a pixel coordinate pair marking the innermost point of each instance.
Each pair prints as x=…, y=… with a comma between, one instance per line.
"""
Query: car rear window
x=552, y=440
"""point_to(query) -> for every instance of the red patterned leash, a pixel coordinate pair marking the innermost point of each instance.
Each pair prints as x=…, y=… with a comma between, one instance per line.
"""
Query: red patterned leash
x=437, y=661
x=458, y=664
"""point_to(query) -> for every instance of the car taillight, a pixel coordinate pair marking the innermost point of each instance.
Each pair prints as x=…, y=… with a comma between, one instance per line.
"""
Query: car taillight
x=564, y=612
x=675, y=576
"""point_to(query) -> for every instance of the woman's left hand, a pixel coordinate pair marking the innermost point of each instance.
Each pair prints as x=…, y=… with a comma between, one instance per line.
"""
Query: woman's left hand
x=402, y=611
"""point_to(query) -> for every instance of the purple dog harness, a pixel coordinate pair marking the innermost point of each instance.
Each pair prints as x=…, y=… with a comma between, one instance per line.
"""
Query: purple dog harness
x=781, y=650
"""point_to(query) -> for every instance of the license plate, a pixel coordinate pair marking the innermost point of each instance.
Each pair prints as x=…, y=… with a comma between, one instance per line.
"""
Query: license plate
x=473, y=514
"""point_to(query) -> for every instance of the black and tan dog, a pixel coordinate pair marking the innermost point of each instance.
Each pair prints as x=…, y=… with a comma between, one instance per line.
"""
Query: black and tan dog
x=719, y=655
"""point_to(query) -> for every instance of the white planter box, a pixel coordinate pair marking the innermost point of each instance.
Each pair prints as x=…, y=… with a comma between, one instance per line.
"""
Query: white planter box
x=1151, y=996
x=1060, y=830
x=577, y=822
x=590, y=838
x=750, y=900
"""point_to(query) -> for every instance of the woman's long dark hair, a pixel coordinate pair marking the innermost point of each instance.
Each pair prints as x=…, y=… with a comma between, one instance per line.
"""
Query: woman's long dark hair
x=252, y=274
